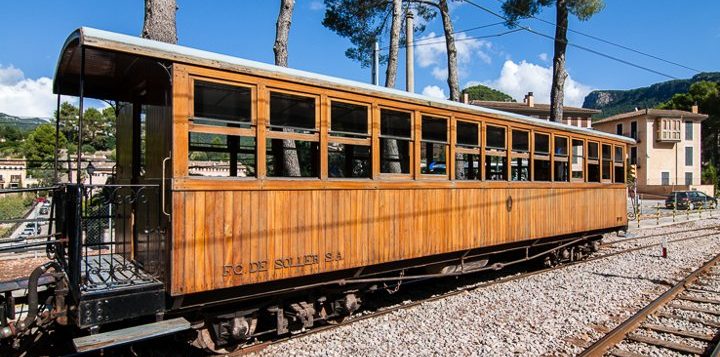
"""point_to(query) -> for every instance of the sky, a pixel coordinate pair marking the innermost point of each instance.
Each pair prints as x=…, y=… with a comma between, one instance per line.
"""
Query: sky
x=684, y=32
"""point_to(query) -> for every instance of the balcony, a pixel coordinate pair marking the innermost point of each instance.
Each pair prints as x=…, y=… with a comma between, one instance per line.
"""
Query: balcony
x=667, y=130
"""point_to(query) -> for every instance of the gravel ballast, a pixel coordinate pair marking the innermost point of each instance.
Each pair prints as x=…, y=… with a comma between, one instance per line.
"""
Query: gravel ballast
x=553, y=313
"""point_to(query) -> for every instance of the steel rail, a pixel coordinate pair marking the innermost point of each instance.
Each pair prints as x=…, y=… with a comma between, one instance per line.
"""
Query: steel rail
x=612, y=338
x=469, y=288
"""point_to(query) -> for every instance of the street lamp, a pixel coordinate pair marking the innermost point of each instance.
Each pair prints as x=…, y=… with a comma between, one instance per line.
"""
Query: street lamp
x=90, y=170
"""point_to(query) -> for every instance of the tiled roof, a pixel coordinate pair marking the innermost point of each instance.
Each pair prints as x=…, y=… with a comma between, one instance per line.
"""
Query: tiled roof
x=666, y=113
x=537, y=108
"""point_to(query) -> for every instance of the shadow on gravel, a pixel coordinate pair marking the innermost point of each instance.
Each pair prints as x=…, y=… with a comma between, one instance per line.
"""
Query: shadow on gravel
x=654, y=281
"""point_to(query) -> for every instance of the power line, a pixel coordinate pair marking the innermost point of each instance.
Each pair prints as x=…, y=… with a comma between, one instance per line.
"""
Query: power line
x=455, y=33
x=572, y=44
x=609, y=42
x=416, y=44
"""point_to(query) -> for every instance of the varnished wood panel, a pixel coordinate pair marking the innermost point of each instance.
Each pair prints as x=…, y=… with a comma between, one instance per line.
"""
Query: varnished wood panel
x=215, y=229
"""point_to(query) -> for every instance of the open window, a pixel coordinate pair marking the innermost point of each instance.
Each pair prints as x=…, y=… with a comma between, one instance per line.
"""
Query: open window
x=495, y=153
x=467, y=151
x=292, y=137
x=561, y=168
x=619, y=163
x=593, y=165
x=541, y=157
x=606, y=169
x=578, y=160
x=433, y=149
x=349, y=145
x=520, y=156
x=396, y=141
x=222, y=138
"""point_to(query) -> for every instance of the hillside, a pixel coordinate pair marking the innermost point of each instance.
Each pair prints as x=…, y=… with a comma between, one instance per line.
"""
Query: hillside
x=481, y=92
x=24, y=124
x=618, y=101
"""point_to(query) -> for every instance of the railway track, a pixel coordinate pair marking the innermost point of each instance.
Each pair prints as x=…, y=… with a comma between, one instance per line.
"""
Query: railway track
x=683, y=303
x=471, y=287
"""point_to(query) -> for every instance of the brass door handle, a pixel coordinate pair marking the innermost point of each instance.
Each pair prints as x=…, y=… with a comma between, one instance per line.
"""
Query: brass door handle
x=162, y=186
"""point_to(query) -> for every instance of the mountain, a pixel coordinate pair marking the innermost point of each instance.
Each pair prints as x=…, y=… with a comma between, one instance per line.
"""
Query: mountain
x=612, y=102
x=24, y=124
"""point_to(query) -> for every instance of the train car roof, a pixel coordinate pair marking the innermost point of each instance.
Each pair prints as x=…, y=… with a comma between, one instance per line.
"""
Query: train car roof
x=109, y=56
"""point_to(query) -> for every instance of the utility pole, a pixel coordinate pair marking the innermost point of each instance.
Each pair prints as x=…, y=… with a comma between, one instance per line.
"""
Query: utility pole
x=409, y=64
x=376, y=64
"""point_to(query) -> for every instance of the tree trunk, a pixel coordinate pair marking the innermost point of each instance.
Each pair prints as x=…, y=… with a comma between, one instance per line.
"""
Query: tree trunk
x=392, y=64
x=159, y=23
x=451, y=51
x=557, y=93
x=291, y=164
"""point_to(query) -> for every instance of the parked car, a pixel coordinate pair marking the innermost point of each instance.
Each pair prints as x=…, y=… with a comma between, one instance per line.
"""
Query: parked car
x=44, y=210
x=690, y=200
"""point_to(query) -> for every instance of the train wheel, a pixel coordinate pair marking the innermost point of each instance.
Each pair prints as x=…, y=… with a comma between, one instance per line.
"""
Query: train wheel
x=205, y=341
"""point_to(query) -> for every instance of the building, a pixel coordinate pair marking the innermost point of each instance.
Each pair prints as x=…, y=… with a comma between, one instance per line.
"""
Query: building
x=581, y=117
x=667, y=154
x=13, y=174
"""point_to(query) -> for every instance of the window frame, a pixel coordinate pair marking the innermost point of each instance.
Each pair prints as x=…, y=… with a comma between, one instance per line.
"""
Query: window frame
x=602, y=158
x=493, y=151
x=620, y=163
x=282, y=135
x=411, y=150
x=520, y=154
x=541, y=156
x=421, y=141
x=583, y=157
x=566, y=157
x=250, y=129
x=357, y=141
x=465, y=149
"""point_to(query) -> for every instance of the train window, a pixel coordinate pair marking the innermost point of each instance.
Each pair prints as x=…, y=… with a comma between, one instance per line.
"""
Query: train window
x=606, y=162
x=349, y=152
x=560, y=163
x=495, y=154
x=619, y=164
x=433, y=149
x=593, y=163
x=395, y=141
x=348, y=119
x=578, y=160
x=520, y=156
x=467, y=134
x=222, y=105
x=292, y=158
x=494, y=137
x=541, y=157
x=292, y=112
x=215, y=155
x=467, y=152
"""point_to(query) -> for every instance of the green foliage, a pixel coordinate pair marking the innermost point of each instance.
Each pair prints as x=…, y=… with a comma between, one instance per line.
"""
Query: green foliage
x=710, y=175
x=364, y=22
x=518, y=9
x=40, y=145
x=481, y=92
x=13, y=206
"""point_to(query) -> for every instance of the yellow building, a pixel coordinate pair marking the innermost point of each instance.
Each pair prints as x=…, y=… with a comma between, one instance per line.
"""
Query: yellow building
x=667, y=154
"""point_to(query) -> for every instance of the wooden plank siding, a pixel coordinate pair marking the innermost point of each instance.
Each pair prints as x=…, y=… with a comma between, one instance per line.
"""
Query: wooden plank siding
x=230, y=232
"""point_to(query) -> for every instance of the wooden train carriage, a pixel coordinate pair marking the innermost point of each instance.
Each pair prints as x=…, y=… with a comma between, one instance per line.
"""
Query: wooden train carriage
x=275, y=173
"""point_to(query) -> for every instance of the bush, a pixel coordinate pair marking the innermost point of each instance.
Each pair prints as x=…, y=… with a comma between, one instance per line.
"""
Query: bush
x=14, y=206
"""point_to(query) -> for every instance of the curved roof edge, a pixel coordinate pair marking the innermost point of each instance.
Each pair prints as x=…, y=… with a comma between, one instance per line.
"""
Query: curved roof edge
x=131, y=44
x=73, y=37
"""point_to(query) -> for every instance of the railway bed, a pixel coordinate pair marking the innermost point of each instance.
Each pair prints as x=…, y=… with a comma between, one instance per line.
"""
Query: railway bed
x=428, y=293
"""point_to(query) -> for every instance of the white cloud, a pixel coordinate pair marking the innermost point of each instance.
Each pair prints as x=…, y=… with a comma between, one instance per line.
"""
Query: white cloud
x=516, y=79
x=434, y=91
x=317, y=5
x=25, y=97
x=543, y=57
x=431, y=51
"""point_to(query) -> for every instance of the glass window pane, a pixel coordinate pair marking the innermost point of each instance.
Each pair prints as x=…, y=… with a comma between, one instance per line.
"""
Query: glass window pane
x=606, y=151
x=495, y=168
x=495, y=137
x=467, y=167
x=541, y=170
x=292, y=111
x=216, y=155
x=578, y=159
x=432, y=158
x=619, y=157
x=346, y=160
x=606, y=167
x=542, y=144
x=619, y=174
x=221, y=102
x=394, y=123
x=467, y=133
x=434, y=129
x=292, y=158
x=593, y=150
x=520, y=169
x=561, y=146
x=593, y=172
x=520, y=140
x=395, y=156
x=688, y=156
x=349, y=118
x=561, y=171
